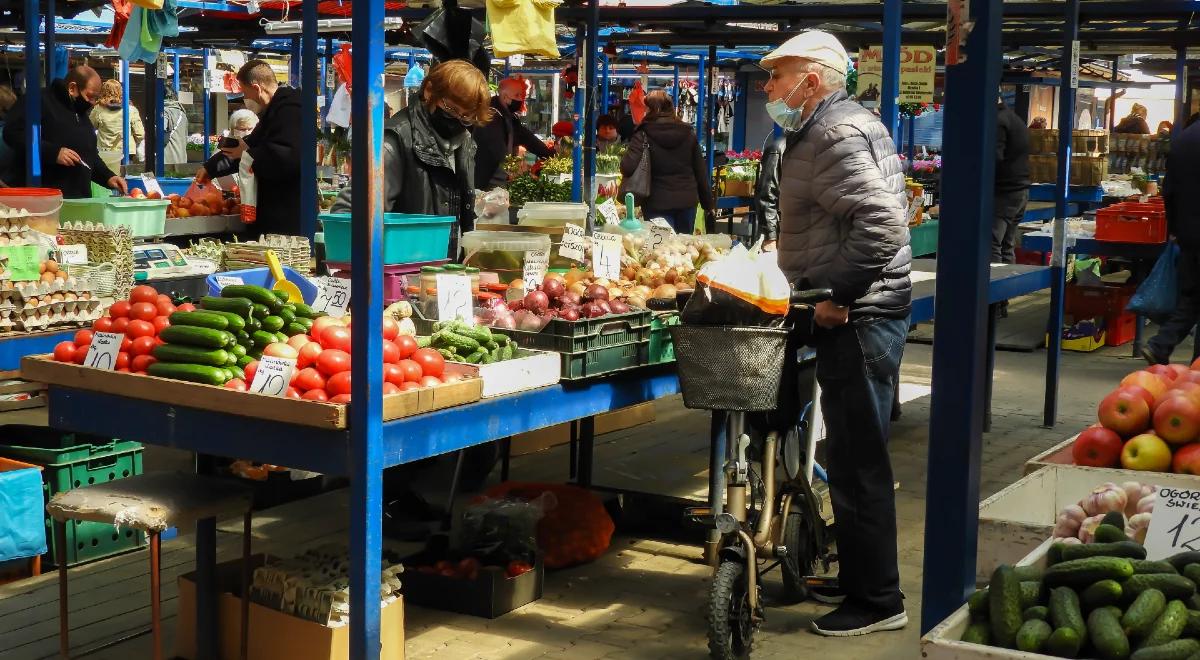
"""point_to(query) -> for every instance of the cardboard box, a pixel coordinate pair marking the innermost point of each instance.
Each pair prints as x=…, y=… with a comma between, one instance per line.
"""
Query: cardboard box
x=560, y=434
x=528, y=370
x=273, y=634
x=490, y=595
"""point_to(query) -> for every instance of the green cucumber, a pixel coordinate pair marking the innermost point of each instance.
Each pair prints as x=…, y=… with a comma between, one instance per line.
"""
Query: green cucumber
x=1127, y=549
x=307, y=323
x=292, y=329
x=474, y=357
x=304, y=311
x=287, y=315
x=1064, y=643
x=1033, y=635
x=977, y=603
x=195, y=336
x=1004, y=606
x=281, y=295
x=1104, y=592
x=281, y=337
x=1192, y=627
x=1174, y=587
x=479, y=333
x=461, y=343
x=1029, y=573
x=1144, y=611
x=1146, y=566
x=1106, y=533
x=191, y=354
x=195, y=373
x=272, y=323
x=1054, y=554
x=199, y=319
x=507, y=352
x=1180, y=649
x=1036, y=612
x=235, y=322
x=252, y=324
x=1079, y=573
x=242, y=337
x=260, y=311
x=1106, y=635
x=1169, y=625
x=448, y=354
x=256, y=294
x=244, y=360
x=1114, y=519
x=238, y=351
x=1192, y=572
x=239, y=306
x=1184, y=558
x=262, y=338
x=977, y=633
x=1065, y=611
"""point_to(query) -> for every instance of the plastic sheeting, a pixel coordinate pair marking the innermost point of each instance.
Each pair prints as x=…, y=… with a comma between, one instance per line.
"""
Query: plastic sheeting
x=22, y=514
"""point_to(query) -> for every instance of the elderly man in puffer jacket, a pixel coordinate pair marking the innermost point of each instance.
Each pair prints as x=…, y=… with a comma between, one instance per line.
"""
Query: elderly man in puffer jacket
x=842, y=226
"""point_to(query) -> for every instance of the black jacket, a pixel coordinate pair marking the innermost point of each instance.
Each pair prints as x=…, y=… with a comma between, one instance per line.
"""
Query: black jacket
x=274, y=144
x=1183, y=171
x=1012, y=152
x=766, y=188
x=62, y=126
x=677, y=171
x=493, y=144
x=1132, y=124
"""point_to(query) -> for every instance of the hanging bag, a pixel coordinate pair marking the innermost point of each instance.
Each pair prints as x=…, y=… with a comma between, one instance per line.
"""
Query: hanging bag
x=248, y=187
x=638, y=182
x=1156, y=295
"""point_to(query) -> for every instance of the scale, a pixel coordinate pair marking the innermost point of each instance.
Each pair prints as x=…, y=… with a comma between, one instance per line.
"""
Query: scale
x=161, y=260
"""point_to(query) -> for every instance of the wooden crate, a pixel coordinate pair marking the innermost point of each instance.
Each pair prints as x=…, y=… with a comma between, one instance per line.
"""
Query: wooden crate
x=1059, y=454
x=331, y=416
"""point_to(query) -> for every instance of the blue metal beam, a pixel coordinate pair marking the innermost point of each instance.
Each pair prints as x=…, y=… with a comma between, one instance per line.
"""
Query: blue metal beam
x=175, y=72
x=604, y=78
x=675, y=87
x=591, y=102
x=206, y=112
x=582, y=61
x=701, y=93
x=889, y=94
x=124, y=72
x=959, y=360
x=33, y=94
x=310, y=87
x=709, y=108
x=741, y=112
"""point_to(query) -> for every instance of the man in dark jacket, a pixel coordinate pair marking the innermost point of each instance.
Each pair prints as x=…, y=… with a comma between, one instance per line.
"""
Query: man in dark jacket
x=1012, y=183
x=67, y=149
x=843, y=226
x=1183, y=222
x=274, y=149
x=501, y=137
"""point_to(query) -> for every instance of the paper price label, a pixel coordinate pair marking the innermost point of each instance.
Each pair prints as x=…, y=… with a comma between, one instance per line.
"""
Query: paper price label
x=454, y=298
x=273, y=375
x=226, y=280
x=606, y=255
x=655, y=238
x=662, y=223
x=160, y=67
x=537, y=262
x=333, y=296
x=102, y=352
x=609, y=212
x=72, y=255
x=1175, y=526
x=572, y=243
x=24, y=262
x=151, y=183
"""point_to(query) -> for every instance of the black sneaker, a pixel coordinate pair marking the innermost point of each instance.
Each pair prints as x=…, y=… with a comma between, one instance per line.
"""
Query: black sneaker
x=830, y=595
x=1153, y=358
x=850, y=620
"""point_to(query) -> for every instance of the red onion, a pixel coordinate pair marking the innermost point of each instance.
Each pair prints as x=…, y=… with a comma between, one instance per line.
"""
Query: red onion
x=569, y=314
x=595, y=292
x=618, y=307
x=516, y=305
x=553, y=287
x=604, y=306
x=537, y=301
x=591, y=310
x=569, y=297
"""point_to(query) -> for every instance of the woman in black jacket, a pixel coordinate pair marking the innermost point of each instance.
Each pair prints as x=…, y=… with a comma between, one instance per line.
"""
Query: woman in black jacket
x=678, y=180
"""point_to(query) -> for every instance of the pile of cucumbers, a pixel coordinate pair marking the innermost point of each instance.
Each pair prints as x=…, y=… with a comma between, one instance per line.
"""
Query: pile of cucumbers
x=1099, y=600
x=213, y=344
x=459, y=342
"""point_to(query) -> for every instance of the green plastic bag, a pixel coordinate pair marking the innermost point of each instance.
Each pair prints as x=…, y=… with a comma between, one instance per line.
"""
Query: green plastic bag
x=700, y=225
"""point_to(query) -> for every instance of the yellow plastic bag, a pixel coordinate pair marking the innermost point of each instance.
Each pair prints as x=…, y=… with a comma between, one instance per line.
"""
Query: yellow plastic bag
x=522, y=27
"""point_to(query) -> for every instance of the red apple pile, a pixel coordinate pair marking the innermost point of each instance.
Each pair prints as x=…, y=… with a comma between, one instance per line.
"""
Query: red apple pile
x=1150, y=422
x=140, y=319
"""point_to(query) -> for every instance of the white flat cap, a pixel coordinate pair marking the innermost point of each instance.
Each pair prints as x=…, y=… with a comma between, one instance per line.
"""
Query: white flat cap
x=820, y=47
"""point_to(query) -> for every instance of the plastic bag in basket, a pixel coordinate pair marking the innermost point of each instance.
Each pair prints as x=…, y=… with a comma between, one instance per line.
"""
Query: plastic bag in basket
x=746, y=288
x=577, y=529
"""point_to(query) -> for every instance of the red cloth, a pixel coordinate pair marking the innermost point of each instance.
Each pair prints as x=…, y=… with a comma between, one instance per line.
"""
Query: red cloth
x=343, y=64
x=637, y=102
x=121, y=9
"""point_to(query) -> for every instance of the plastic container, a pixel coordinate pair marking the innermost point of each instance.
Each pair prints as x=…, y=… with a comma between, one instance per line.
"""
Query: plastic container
x=43, y=204
x=592, y=347
x=502, y=252
x=406, y=238
x=169, y=185
x=144, y=217
x=662, y=346
x=262, y=277
x=1131, y=222
x=473, y=273
x=552, y=214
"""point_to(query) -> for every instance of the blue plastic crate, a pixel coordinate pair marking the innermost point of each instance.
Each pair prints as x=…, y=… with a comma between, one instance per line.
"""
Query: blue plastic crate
x=169, y=185
x=262, y=277
x=406, y=238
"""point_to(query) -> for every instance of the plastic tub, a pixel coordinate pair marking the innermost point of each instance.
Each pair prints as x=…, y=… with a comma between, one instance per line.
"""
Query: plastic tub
x=43, y=205
x=502, y=252
x=169, y=185
x=144, y=217
x=262, y=277
x=552, y=214
x=407, y=238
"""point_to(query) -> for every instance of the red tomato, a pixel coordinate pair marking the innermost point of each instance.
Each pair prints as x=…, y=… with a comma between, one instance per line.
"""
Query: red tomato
x=392, y=373
x=161, y=323
x=162, y=298
x=407, y=345
x=432, y=363
x=332, y=361
x=411, y=370
x=321, y=323
x=430, y=381
x=315, y=395
x=308, y=354
x=80, y=354
x=122, y=360
x=237, y=384
x=341, y=398
x=250, y=370
x=103, y=324
x=468, y=568
x=186, y=307
x=143, y=293
x=293, y=393
x=119, y=324
x=389, y=388
x=165, y=308
x=516, y=568
x=391, y=353
x=83, y=338
x=140, y=363
x=143, y=311
x=126, y=343
x=298, y=341
x=64, y=351
x=309, y=379
x=119, y=309
x=336, y=337
x=338, y=383
x=409, y=385
x=139, y=328
x=281, y=350
x=390, y=328
x=142, y=346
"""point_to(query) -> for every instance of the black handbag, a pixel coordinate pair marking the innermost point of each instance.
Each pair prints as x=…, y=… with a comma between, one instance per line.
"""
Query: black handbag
x=638, y=182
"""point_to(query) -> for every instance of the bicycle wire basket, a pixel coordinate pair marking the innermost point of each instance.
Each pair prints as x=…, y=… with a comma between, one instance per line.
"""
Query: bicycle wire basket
x=730, y=367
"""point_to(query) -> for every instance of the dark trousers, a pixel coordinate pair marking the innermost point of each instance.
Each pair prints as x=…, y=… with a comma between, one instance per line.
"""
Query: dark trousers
x=1187, y=304
x=858, y=366
x=1008, y=211
x=683, y=221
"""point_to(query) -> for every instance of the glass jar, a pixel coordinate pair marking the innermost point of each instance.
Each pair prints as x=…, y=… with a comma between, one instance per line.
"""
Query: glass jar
x=428, y=282
x=473, y=273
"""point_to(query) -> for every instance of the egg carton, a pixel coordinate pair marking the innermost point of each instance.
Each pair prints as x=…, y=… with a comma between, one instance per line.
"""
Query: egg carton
x=35, y=320
x=315, y=585
x=59, y=302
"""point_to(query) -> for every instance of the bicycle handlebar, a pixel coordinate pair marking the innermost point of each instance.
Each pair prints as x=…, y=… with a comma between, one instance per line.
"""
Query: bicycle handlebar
x=810, y=296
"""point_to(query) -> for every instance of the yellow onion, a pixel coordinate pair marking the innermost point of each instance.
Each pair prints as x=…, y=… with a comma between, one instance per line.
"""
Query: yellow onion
x=665, y=291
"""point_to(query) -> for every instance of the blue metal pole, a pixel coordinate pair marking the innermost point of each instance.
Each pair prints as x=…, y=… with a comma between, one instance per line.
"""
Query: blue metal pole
x=366, y=414
x=701, y=94
x=592, y=49
x=33, y=93
x=51, y=41
x=675, y=87
x=294, y=62
x=710, y=111
x=124, y=112
x=1058, y=282
x=956, y=415
x=1181, y=86
x=62, y=57
x=741, y=111
x=310, y=86
x=581, y=61
x=890, y=93
x=207, y=111
x=159, y=136
x=604, y=85
x=175, y=72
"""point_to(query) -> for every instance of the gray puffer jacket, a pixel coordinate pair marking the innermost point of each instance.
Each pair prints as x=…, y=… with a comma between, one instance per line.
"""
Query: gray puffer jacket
x=842, y=211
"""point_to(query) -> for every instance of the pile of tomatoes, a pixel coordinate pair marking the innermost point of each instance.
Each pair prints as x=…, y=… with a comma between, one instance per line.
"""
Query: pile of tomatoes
x=140, y=319
x=323, y=362
x=469, y=568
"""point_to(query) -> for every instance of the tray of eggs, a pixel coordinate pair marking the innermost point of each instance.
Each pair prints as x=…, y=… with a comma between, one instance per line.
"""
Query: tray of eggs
x=37, y=305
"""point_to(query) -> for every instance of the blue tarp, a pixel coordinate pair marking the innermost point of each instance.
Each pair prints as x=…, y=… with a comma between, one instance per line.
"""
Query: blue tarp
x=22, y=514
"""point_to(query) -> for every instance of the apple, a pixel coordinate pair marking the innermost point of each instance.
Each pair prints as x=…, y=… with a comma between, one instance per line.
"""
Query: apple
x=1163, y=371
x=1140, y=391
x=1196, y=365
x=1187, y=459
x=1146, y=452
x=1125, y=413
x=1097, y=446
x=1179, y=369
x=1177, y=419
x=1171, y=393
x=1189, y=377
x=1191, y=388
x=1153, y=383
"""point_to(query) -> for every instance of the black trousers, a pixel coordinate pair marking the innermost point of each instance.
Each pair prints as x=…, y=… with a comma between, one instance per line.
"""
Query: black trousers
x=1187, y=305
x=858, y=366
x=1008, y=211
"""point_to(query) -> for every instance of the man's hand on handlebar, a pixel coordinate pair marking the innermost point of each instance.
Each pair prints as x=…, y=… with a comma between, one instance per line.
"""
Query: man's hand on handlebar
x=829, y=315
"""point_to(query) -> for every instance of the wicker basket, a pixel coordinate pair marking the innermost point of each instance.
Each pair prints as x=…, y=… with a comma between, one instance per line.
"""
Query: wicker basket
x=730, y=368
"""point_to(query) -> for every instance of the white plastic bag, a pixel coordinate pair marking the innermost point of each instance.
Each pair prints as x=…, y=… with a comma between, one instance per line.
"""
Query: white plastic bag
x=745, y=288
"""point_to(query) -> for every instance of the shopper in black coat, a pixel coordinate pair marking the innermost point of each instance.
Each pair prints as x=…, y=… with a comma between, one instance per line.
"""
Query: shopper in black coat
x=1012, y=183
x=69, y=158
x=678, y=176
x=502, y=136
x=274, y=146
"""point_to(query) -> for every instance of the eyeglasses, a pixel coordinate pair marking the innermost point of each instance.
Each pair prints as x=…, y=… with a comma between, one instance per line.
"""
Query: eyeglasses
x=459, y=115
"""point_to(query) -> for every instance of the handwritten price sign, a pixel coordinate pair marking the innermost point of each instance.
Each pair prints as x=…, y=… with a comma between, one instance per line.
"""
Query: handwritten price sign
x=609, y=212
x=228, y=280
x=333, y=297
x=655, y=238
x=606, y=255
x=454, y=298
x=1175, y=526
x=572, y=243
x=536, y=264
x=102, y=352
x=273, y=375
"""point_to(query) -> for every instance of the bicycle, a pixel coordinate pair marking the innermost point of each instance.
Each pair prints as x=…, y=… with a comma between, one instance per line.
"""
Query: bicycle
x=759, y=522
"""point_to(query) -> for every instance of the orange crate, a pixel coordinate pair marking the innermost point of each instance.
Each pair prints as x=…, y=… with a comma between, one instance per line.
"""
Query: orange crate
x=1132, y=222
x=1084, y=302
x=8, y=465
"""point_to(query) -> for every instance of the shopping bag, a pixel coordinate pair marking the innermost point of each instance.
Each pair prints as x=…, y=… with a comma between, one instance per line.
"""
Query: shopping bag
x=746, y=288
x=248, y=188
x=1156, y=295
x=638, y=181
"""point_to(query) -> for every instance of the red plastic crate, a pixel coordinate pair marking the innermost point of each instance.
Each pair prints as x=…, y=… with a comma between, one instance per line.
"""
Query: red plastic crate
x=1091, y=301
x=1032, y=258
x=1132, y=222
x=1120, y=329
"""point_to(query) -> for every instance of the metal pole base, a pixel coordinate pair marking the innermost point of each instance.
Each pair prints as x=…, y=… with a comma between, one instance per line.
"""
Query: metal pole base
x=712, y=550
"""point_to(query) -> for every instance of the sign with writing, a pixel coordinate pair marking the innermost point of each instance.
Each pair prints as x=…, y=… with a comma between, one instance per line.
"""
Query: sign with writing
x=102, y=352
x=918, y=65
x=72, y=255
x=606, y=255
x=24, y=262
x=333, y=296
x=572, y=243
x=1175, y=526
x=454, y=298
x=609, y=212
x=184, y=97
x=662, y=224
x=273, y=375
x=160, y=67
x=1075, y=64
x=958, y=13
x=226, y=280
x=536, y=264
x=151, y=183
x=655, y=239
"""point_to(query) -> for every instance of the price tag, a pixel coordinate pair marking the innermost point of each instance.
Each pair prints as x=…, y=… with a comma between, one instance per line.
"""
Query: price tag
x=160, y=67
x=662, y=223
x=151, y=183
x=454, y=298
x=273, y=375
x=333, y=297
x=226, y=280
x=606, y=255
x=609, y=212
x=536, y=264
x=1175, y=526
x=572, y=243
x=655, y=239
x=102, y=352
x=184, y=97
x=24, y=262
x=72, y=255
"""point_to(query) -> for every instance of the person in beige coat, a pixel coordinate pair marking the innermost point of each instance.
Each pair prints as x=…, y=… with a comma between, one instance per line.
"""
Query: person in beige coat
x=108, y=119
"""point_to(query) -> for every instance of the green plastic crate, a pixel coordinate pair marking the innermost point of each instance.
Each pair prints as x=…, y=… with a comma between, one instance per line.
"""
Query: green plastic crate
x=144, y=217
x=586, y=335
x=662, y=346
x=603, y=361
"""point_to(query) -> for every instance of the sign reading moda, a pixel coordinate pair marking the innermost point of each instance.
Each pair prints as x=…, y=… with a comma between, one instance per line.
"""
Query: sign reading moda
x=918, y=65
